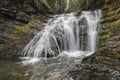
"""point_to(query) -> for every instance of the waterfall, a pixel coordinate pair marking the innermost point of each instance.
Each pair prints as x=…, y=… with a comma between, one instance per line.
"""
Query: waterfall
x=68, y=34
x=67, y=4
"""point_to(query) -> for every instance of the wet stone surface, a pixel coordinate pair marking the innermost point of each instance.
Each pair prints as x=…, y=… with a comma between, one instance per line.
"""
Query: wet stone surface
x=45, y=69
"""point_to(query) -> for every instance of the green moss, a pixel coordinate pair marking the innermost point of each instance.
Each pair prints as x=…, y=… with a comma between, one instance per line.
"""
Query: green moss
x=114, y=12
x=105, y=37
x=110, y=8
x=113, y=25
x=19, y=29
x=26, y=28
x=109, y=32
x=110, y=18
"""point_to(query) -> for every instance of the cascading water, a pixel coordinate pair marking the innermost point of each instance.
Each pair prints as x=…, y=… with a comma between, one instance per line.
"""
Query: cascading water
x=67, y=34
x=67, y=6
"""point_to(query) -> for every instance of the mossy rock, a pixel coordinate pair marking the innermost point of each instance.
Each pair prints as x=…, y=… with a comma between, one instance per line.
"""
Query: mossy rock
x=111, y=19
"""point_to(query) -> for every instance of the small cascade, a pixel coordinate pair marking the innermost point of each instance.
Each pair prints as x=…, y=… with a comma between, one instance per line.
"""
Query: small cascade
x=68, y=34
x=67, y=4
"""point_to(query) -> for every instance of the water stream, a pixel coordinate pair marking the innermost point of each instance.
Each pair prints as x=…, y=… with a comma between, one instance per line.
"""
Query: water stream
x=65, y=40
x=68, y=34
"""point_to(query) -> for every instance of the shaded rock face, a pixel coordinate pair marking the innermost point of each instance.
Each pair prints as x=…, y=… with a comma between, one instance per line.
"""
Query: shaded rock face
x=15, y=35
x=19, y=22
x=21, y=10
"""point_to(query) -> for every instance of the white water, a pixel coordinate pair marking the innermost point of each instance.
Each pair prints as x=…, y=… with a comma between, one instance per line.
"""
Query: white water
x=66, y=34
x=67, y=4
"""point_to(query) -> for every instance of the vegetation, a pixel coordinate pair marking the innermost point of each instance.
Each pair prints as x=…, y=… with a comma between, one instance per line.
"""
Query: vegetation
x=111, y=19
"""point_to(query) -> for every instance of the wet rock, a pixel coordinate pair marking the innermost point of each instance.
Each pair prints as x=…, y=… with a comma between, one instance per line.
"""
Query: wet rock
x=102, y=65
x=19, y=22
x=10, y=10
x=55, y=76
x=14, y=35
x=94, y=72
x=22, y=10
x=109, y=54
x=22, y=17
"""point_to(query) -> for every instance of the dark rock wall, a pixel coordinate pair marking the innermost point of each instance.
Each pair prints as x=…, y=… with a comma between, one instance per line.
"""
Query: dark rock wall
x=22, y=10
x=19, y=22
